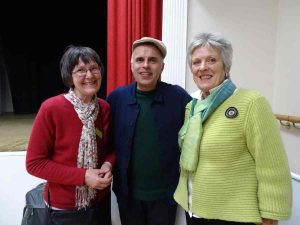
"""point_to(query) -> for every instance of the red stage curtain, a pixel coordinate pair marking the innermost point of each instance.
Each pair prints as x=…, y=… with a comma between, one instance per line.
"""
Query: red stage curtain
x=128, y=20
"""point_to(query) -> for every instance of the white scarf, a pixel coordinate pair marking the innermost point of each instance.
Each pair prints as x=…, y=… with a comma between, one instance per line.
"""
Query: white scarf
x=87, y=149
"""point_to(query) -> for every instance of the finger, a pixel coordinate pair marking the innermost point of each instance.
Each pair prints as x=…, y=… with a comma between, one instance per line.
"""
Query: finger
x=108, y=175
x=104, y=180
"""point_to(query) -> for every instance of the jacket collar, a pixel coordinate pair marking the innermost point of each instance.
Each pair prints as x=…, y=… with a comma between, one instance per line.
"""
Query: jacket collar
x=158, y=95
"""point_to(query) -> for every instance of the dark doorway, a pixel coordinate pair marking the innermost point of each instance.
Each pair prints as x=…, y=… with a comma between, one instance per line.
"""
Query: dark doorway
x=33, y=37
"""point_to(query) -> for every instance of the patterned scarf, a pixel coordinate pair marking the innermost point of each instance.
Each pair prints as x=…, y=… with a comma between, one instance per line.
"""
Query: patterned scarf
x=197, y=112
x=87, y=150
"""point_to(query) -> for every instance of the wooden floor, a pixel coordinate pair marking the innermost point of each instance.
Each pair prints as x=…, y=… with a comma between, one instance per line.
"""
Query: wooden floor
x=15, y=131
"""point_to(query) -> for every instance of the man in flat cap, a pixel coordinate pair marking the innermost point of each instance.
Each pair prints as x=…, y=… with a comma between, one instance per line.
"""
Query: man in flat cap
x=146, y=118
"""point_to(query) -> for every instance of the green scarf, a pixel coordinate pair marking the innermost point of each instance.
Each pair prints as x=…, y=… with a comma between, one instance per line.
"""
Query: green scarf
x=197, y=112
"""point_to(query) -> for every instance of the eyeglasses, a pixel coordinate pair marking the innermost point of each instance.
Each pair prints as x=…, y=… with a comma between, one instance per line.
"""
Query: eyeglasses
x=82, y=72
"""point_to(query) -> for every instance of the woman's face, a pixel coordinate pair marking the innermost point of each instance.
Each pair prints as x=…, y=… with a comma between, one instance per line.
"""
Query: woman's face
x=86, y=80
x=207, y=68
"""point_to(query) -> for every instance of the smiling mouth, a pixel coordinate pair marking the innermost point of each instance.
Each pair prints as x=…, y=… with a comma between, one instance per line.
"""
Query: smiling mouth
x=145, y=73
x=205, y=77
x=91, y=83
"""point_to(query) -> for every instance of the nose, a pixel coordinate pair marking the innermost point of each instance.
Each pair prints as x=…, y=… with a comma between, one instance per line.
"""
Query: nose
x=88, y=73
x=203, y=66
x=146, y=63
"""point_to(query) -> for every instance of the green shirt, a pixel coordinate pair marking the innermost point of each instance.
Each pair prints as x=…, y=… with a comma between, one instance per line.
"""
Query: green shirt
x=145, y=172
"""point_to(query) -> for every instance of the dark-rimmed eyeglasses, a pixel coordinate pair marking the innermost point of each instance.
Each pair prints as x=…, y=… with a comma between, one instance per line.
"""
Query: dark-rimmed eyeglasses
x=82, y=72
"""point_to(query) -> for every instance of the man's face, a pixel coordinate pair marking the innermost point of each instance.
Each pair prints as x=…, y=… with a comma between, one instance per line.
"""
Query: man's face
x=146, y=66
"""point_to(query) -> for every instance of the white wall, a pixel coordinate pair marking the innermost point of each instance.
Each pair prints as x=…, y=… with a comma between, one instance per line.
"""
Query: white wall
x=287, y=74
x=14, y=183
x=251, y=27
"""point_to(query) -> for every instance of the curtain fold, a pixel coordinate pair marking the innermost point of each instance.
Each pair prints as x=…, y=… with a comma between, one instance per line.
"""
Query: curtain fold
x=127, y=21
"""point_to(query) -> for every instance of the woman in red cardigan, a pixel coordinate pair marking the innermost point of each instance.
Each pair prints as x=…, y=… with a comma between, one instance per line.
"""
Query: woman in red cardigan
x=68, y=145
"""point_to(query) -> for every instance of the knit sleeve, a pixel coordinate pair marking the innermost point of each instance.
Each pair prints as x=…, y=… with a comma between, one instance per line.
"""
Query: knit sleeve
x=39, y=161
x=273, y=174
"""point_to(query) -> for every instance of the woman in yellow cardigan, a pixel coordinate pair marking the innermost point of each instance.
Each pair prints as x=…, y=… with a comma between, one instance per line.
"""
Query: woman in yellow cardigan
x=234, y=168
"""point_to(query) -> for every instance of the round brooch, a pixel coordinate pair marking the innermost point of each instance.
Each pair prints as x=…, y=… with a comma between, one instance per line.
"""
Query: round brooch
x=231, y=112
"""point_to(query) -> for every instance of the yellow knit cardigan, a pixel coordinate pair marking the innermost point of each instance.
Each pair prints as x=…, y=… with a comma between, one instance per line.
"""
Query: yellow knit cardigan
x=243, y=173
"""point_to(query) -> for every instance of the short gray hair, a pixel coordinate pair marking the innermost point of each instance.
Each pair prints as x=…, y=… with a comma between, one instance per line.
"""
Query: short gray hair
x=215, y=41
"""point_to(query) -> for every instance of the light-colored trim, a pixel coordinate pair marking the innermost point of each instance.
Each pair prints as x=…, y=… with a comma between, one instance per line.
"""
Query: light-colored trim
x=174, y=35
x=15, y=153
x=295, y=176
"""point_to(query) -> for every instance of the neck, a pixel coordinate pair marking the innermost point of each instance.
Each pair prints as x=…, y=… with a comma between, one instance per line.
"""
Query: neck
x=205, y=94
x=84, y=98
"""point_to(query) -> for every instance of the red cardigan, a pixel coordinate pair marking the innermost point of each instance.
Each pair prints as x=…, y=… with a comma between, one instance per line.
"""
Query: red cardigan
x=53, y=148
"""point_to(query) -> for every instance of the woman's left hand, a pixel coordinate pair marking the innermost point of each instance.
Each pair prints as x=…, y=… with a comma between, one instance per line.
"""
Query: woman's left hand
x=269, y=222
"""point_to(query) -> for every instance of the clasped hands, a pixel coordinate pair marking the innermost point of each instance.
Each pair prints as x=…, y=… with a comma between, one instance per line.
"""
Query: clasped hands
x=99, y=178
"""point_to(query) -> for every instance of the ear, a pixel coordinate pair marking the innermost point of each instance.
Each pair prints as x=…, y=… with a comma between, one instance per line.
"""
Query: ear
x=162, y=68
x=71, y=84
x=131, y=67
x=227, y=76
x=226, y=73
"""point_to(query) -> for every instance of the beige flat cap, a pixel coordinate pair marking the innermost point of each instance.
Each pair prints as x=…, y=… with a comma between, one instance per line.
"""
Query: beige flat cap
x=152, y=41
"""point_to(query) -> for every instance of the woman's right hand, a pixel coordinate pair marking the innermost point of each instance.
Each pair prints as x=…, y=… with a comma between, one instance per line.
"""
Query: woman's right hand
x=94, y=178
